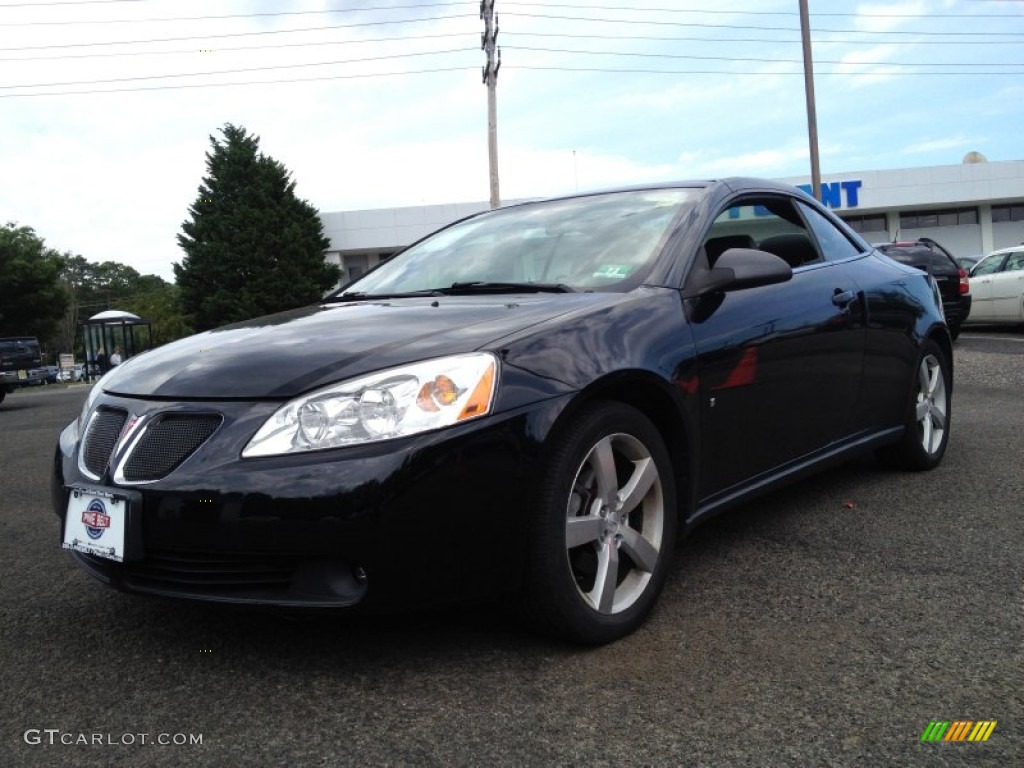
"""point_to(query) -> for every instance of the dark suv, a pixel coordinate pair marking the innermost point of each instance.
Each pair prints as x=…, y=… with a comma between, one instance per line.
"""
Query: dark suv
x=954, y=286
x=21, y=364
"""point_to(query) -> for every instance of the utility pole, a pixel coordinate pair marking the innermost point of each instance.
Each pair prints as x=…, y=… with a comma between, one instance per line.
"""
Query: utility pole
x=487, y=43
x=812, y=117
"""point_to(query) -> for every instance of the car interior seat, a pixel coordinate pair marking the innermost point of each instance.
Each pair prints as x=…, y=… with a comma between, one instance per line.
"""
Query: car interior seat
x=795, y=249
x=716, y=246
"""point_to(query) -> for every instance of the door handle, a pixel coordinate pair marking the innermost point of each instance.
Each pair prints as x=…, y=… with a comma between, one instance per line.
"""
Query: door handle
x=843, y=299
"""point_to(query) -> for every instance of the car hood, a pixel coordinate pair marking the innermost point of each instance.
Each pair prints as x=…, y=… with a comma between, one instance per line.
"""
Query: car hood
x=284, y=355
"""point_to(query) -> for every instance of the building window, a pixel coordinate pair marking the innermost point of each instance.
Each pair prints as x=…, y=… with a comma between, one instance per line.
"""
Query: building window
x=1012, y=212
x=948, y=217
x=870, y=223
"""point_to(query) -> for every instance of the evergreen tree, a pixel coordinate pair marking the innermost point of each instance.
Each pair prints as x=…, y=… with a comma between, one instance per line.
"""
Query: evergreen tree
x=251, y=247
x=32, y=297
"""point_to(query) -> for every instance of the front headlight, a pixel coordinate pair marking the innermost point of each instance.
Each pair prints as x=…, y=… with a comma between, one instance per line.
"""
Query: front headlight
x=394, y=403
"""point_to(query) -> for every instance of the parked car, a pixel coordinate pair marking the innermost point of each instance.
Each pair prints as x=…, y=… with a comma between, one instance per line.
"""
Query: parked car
x=74, y=373
x=20, y=364
x=954, y=284
x=532, y=401
x=998, y=287
x=967, y=262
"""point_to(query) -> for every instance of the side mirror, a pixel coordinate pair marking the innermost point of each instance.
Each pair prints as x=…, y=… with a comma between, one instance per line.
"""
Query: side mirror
x=740, y=268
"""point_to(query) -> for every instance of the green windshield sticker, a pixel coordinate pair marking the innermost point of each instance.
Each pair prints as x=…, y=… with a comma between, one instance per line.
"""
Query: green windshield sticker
x=615, y=271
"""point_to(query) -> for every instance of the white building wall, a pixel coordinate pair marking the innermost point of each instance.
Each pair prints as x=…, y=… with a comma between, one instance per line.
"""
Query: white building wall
x=360, y=239
x=960, y=240
x=1007, y=233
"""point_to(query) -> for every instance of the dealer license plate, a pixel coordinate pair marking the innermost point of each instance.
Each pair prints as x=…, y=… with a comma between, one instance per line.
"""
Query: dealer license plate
x=95, y=523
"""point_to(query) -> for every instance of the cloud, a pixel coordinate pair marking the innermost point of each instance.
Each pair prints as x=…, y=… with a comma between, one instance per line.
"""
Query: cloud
x=937, y=145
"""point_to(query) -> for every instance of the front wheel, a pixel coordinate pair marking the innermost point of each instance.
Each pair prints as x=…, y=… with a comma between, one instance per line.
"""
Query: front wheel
x=927, y=429
x=603, y=529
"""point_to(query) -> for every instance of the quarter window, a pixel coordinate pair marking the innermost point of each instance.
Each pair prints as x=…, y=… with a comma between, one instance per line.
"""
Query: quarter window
x=833, y=243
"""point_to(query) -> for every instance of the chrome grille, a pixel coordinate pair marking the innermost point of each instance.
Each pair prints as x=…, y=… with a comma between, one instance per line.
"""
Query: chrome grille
x=104, y=430
x=167, y=441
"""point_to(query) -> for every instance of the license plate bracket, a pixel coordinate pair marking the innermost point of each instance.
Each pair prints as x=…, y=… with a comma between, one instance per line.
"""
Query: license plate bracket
x=96, y=522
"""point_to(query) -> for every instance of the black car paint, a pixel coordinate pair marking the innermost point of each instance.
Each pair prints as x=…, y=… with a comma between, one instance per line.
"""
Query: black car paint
x=425, y=517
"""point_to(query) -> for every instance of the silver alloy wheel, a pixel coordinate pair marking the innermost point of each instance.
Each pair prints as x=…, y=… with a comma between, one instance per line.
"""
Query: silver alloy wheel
x=931, y=409
x=615, y=523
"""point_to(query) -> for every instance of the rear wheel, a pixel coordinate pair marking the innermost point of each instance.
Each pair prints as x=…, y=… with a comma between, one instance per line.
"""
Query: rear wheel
x=604, y=527
x=927, y=429
x=954, y=330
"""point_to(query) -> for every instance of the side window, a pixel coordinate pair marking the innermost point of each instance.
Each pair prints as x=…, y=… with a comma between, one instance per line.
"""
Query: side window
x=833, y=243
x=766, y=223
x=989, y=265
x=1015, y=263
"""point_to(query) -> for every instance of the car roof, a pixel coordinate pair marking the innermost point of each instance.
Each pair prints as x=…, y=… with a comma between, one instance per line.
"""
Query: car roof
x=1011, y=249
x=731, y=183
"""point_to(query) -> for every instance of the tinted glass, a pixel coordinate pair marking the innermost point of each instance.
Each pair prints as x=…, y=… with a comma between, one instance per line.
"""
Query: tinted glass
x=587, y=243
x=920, y=257
x=833, y=243
x=766, y=223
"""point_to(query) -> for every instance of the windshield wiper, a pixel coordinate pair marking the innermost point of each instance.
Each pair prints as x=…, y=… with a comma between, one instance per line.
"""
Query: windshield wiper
x=455, y=289
x=483, y=286
x=363, y=295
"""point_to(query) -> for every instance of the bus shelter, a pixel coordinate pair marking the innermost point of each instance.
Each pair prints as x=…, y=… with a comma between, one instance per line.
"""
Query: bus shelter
x=110, y=332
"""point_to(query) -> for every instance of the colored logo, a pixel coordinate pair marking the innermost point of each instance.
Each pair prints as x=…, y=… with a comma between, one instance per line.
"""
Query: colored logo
x=958, y=730
x=96, y=519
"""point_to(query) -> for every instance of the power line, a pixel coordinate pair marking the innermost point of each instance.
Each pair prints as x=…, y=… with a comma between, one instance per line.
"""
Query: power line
x=234, y=34
x=242, y=83
x=873, y=73
x=228, y=16
x=304, y=44
x=775, y=40
x=322, y=78
x=642, y=9
x=759, y=60
x=234, y=71
x=707, y=25
x=710, y=11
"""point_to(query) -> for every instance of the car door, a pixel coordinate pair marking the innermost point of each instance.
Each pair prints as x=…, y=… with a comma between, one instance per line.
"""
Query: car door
x=983, y=289
x=779, y=365
x=1008, y=289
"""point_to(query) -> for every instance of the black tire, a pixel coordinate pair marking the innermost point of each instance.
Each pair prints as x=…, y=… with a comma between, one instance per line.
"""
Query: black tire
x=630, y=540
x=954, y=330
x=928, y=414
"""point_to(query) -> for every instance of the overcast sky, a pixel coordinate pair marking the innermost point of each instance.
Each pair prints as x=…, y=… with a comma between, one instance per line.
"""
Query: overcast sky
x=106, y=106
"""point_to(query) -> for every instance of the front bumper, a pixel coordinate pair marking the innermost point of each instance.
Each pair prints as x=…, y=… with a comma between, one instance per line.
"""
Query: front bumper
x=424, y=519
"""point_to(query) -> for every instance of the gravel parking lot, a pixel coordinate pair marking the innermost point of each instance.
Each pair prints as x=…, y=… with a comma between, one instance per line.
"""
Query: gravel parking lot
x=824, y=625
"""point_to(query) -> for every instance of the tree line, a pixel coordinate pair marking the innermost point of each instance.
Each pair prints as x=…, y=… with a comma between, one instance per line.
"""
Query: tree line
x=251, y=247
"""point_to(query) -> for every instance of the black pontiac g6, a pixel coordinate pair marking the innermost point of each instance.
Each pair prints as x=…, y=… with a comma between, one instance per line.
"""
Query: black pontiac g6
x=534, y=401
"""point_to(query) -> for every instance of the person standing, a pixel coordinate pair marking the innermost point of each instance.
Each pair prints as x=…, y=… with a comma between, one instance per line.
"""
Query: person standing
x=115, y=358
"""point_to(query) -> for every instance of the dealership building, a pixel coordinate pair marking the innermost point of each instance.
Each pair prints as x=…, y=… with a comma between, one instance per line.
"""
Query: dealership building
x=971, y=209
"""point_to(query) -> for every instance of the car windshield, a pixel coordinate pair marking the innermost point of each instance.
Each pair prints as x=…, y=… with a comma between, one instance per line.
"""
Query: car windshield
x=583, y=243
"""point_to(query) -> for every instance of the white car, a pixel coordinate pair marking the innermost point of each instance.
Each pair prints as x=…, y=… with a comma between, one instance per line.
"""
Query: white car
x=997, y=284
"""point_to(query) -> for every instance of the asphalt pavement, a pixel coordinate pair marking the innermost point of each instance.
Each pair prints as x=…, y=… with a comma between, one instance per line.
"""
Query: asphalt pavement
x=825, y=625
